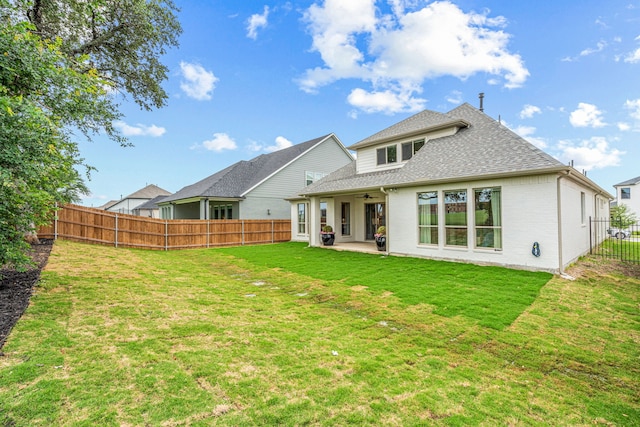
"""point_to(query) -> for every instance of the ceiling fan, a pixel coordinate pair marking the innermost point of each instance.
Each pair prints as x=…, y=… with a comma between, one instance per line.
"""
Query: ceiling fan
x=366, y=196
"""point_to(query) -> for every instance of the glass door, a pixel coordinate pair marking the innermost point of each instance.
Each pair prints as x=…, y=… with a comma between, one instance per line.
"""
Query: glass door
x=374, y=218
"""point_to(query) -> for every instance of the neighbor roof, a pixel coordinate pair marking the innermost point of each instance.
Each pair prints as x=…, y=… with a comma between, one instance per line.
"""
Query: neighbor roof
x=632, y=181
x=484, y=148
x=151, y=204
x=148, y=192
x=236, y=180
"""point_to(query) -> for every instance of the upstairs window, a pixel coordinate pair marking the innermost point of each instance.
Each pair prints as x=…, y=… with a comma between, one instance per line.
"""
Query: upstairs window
x=411, y=148
x=387, y=155
x=625, y=193
x=311, y=177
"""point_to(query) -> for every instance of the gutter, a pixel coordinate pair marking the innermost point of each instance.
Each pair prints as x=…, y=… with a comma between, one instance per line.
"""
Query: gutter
x=559, y=207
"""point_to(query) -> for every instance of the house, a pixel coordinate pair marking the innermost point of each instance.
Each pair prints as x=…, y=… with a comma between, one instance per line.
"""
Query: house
x=457, y=186
x=628, y=193
x=128, y=204
x=257, y=188
x=150, y=208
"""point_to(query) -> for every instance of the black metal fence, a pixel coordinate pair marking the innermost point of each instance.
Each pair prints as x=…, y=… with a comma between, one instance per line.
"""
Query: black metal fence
x=613, y=238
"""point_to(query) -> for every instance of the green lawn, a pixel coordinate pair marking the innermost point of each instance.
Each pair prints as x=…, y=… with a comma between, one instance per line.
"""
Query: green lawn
x=288, y=335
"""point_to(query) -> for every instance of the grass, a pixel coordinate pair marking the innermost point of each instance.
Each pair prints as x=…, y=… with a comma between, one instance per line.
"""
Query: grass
x=288, y=335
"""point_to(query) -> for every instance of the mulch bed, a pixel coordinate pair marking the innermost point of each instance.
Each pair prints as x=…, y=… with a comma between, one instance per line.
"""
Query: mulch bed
x=16, y=288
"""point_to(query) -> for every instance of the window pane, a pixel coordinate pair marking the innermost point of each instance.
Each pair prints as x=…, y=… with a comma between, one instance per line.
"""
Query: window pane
x=455, y=204
x=456, y=236
x=382, y=156
x=346, y=219
x=625, y=193
x=391, y=154
x=323, y=214
x=428, y=217
x=488, y=217
x=417, y=145
x=302, y=218
x=407, y=151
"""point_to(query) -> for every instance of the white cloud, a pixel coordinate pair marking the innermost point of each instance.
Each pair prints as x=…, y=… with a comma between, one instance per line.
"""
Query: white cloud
x=220, y=142
x=139, y=129
x=455, y=97
x=257, y=21
x=396, y=52
x=528, y=111
x=594, y=153
x=197, y=82
x=624, y=127
x=387, y=101
x=280, y=143
x=633, y=57
x=591, y=50
x=634, y=106
x=587, y=115
x=527, y=133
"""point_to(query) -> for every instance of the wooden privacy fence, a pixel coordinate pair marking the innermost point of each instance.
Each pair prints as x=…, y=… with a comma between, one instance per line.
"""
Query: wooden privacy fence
x=91, y=225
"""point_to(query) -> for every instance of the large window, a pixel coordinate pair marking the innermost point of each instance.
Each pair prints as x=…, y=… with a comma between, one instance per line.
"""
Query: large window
x=625, y=193
x=428, y=218
x=387, y=155
x=302, y=218
x=410, y=148
x=346, y=219
x=488, y=218
x=455, y=218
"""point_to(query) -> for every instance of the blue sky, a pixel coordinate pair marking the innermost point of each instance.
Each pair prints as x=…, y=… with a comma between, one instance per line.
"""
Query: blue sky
x=251, y=77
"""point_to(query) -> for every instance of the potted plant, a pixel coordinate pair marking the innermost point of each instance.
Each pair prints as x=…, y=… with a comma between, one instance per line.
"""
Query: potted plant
x=381, y=238
x=327, y=235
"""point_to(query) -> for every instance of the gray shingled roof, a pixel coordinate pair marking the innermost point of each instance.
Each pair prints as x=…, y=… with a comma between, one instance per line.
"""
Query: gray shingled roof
x=151, y=204
x=417, y=122
x=148, y=192
x=235, y=180
x=484, y=148
x=632, y=181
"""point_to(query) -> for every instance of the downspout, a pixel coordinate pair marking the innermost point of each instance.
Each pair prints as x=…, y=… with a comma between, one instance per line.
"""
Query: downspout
x=387, y=222
x=559, y=204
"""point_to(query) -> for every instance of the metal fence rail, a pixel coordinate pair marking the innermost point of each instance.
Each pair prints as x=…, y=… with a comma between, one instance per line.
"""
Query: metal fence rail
x=96, y=226
x=611, y=238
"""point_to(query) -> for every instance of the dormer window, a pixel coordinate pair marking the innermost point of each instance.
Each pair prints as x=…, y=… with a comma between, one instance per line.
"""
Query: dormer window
x=387, y=155
x=411, y=148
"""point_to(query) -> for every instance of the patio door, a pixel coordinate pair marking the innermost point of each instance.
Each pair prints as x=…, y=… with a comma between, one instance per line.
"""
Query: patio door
x=374, y=218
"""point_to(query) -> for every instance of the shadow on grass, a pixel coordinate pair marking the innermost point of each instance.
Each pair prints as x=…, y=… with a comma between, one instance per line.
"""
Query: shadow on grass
x=493, y=296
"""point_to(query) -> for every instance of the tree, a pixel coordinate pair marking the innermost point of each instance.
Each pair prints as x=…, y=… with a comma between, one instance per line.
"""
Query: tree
x=621, y=217
x=61, y=63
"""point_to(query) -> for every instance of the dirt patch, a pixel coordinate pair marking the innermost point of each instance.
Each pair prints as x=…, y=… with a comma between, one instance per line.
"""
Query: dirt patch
x=16, y=288
x=591, y=266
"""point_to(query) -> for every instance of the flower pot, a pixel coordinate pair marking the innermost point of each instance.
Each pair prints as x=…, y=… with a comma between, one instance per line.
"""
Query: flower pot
x=327, y=238
x=381, y=243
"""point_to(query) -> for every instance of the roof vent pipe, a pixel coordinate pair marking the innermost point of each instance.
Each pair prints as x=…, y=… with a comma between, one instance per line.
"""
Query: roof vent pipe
x=481, y=96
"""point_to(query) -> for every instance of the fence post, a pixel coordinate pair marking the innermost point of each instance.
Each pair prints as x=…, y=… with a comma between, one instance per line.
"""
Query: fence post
x=166, y=235
x=590, y=237
x=116, y=231
x=208, y=223
x=273, y=231
x=242, y=239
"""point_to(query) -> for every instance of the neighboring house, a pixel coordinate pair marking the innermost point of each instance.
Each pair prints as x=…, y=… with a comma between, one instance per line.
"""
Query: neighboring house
x=457, y=186
x=134, y=200
x=149, y=209
x=257, y=188
x=628, y=193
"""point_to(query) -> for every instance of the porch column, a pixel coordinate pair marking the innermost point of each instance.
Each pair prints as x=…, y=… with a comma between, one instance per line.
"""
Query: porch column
x=204, y=207
x=314, y=221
